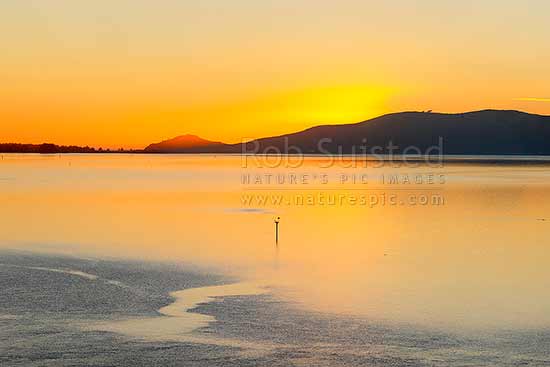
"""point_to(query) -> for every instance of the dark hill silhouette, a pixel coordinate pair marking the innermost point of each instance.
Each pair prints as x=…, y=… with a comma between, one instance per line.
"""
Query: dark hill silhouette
x=184, y=143
x=487, y=132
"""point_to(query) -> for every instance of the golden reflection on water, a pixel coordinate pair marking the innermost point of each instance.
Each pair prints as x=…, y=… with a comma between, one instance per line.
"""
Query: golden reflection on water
x=477, y=260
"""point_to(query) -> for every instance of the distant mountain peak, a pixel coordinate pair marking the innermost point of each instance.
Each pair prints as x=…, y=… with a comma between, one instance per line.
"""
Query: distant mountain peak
x=190, y=139
x=187, y=141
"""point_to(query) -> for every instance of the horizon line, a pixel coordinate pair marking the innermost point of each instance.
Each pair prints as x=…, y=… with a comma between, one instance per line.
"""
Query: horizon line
x=280, y=135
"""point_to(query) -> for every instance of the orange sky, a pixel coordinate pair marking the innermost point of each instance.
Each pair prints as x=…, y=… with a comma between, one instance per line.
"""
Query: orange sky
x=127, y=73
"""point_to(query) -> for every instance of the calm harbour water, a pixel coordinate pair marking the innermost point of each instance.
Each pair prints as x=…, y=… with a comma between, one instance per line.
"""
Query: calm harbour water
x=387, y=265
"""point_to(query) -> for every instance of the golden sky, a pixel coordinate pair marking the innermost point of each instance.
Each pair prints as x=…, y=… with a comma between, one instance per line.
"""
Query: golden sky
x=127, y=73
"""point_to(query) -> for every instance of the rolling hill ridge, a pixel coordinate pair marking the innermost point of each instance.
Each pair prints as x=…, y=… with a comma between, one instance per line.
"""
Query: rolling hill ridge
x=486, y=132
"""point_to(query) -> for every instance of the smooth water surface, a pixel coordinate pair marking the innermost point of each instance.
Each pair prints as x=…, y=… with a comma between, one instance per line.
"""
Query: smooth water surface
x=460, y=249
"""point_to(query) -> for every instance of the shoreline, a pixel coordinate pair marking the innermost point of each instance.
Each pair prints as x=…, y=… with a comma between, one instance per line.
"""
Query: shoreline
x=176, y=323
x=446, y=158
